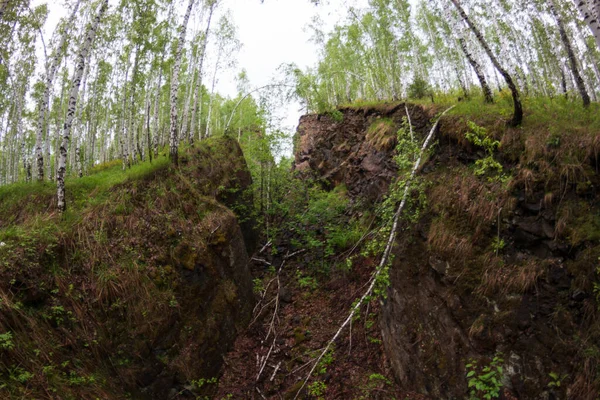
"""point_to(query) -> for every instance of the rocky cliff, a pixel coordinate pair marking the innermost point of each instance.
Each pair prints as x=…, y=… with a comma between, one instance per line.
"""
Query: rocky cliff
x=502, y=267
x=136, y=295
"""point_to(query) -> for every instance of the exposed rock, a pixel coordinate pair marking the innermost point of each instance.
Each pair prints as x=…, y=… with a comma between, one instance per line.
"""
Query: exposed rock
x=154, y=282
x=285, y=295
x=338, y=152
x=521, y=299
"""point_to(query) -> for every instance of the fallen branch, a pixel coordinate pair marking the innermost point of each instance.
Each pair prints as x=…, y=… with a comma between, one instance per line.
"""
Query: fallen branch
x=261, y=395
x=385, y=256
x=265, y=246
x=276, y=368
x=272, y=323
x=261, y=260
x=409, y=122
x=288, y=256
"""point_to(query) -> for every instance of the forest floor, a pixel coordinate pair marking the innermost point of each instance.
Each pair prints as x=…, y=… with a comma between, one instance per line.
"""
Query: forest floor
x=293, y=321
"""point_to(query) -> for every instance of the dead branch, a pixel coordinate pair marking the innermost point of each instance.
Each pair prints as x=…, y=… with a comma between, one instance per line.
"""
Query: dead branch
x=288, y=256
x=261, y=260
x=261, y=395
x=276, y=368
x=273, y=319
x=265, y=246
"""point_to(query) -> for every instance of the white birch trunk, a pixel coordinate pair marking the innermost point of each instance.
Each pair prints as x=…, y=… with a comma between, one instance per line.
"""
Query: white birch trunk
x=487, y=93
x=78, y=73
x=518, y=107
x=190, y=94
x=198, y=96
x=78, y=159
x=123, y=130
x=132, y=114
x=590, y=12
x=77, y=132
x=155, y=133
x=50, y=74
x=173, y=137
x=19, y=132
x=570, y=54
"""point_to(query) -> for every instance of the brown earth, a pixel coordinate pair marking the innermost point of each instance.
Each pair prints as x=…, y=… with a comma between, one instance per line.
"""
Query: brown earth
x=492, y=268
x=140, y=296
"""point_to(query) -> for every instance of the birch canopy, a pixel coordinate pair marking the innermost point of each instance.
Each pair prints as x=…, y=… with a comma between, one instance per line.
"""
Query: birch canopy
x=145, y=80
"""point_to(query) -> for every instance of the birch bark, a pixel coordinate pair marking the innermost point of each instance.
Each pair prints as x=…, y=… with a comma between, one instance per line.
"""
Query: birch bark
x=487, y=92
x=79, y=68
x=570, y=54
x=518, y=107
x=173, y=137
x=198, y=95
x=50, y=74
x=590, y=10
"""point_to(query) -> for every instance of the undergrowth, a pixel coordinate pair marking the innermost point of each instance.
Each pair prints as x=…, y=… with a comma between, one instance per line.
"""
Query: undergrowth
x=84, y=295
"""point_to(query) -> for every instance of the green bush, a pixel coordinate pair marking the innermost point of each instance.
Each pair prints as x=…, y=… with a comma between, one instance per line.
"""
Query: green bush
x=485, y=381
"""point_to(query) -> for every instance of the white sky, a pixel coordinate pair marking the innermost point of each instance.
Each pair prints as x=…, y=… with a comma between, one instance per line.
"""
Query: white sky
x=272, y=33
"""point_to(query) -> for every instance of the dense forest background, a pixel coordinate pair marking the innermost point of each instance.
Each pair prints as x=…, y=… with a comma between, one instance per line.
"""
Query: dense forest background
x=122, y=81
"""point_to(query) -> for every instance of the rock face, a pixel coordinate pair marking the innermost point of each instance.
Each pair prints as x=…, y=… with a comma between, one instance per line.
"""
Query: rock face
x=143, y=295
x=338, y=151
x=490, y=270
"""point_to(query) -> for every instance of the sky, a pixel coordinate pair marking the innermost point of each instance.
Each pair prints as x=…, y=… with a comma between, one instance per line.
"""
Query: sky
x=272, y=33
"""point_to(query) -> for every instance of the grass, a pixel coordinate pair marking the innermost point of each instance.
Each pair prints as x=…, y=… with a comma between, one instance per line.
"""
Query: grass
x=382, y=134
x=85, y=294
x=22, y=202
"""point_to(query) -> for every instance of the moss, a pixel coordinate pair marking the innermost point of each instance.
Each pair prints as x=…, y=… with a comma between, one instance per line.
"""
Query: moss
x=185, y=256
x=291, y=394
x=299, y=336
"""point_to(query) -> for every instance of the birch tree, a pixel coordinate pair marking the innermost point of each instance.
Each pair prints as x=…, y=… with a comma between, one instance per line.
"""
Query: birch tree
x=77, y=75
x=51, y=69
x=570, y=54
x=173, y=136
x=518, y=107
x=590, y=13
x=227, y=46
x=487, y=92
x=198, y=97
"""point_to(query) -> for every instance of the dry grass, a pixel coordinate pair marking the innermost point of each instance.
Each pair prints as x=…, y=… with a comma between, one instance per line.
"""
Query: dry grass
x=382, y=134
x=87, y=297
x=506, y=279
x=584, y=386
x=444, y=240
x=462, y=194
x=477, y=326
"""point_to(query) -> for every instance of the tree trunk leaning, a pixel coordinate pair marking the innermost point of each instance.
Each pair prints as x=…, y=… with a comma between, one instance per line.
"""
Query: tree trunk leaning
x=570, y=55
x=517, y=118
x=487, y=92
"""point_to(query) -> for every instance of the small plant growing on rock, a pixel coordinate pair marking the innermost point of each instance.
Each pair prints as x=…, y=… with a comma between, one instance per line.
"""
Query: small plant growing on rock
x=485, y=381
x=6, y=341
x=317, y=389
x=556, y=379
x=488, y=165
